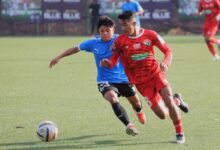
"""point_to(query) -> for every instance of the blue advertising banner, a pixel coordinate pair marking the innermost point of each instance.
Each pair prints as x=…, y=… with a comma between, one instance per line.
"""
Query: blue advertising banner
x=21, y=9
x=157, y=10
x=62, y=10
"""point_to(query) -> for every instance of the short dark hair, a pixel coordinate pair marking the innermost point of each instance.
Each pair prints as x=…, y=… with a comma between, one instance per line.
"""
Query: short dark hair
x=105, y=21
x=126, y=15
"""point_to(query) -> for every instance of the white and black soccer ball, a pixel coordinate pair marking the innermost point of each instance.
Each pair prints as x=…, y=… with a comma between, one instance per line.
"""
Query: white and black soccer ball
x=47, y=131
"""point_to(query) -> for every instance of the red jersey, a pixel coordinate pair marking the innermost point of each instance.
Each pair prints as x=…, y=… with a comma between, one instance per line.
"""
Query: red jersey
x=211, y=8
x=137, y=55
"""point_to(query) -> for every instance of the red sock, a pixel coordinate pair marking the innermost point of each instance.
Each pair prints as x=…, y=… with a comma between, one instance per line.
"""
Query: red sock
x=176, y=101
x=211, y=48
x=178, y=126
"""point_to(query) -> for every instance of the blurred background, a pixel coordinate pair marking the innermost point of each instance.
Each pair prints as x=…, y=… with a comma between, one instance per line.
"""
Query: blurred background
x=72, y=17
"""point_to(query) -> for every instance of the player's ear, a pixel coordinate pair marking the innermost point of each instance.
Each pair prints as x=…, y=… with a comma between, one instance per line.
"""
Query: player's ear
x=113, y=29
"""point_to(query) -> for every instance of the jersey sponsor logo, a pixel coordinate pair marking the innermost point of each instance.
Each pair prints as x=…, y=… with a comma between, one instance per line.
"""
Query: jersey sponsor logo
x=95, y=49
x=139, y=56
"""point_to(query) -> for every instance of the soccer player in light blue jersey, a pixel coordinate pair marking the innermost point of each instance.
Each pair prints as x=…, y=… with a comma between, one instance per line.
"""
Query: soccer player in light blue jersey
x=134, y=6
x=112, y=83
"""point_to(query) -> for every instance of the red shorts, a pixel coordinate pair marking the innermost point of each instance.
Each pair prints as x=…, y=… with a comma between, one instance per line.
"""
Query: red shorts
x=210, y=29
x=150, y=89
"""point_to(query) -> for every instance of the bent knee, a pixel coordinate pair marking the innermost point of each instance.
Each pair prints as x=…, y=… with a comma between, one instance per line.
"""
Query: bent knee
x=111, y=97
x=163, y=117
x=207, y=40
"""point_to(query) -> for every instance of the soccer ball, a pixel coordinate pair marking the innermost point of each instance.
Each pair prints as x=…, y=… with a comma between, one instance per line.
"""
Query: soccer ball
x=47, y=131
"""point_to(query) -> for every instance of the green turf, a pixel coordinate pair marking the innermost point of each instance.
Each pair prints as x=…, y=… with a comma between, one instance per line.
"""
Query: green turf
x=30, y=92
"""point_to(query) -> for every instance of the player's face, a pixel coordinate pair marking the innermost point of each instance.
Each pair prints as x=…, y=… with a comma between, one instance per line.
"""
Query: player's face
x=106, y=33
x=127, y=26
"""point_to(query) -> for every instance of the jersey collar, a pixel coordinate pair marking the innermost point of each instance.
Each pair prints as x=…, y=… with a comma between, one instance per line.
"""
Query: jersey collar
x=139, y=35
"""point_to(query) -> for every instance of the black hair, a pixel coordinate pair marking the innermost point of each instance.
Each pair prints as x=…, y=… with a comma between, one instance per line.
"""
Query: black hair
x=126, y=15
x=105, y=21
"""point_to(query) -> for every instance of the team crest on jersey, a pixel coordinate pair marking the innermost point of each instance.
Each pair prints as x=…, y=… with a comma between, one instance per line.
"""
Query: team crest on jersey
x=137, y=45
x=147, y=42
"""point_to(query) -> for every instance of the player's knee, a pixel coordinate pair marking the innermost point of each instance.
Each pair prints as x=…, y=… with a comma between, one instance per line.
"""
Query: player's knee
x=167, y=97
x=207, y=40
x=169, y=103
x=111, y=97
x=162, y=116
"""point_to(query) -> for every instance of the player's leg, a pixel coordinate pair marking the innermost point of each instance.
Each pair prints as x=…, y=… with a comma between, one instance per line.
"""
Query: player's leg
x=110, y=93
x=211, y=33
x=137, y=106
x=162, y=86
x=153, y=99
x=178, y=100
x=127, y=90
x=208, y=34
x=211, y=48
x=93, y=24
x=175, y=116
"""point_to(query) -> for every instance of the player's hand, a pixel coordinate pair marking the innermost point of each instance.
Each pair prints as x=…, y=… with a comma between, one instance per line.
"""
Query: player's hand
x=198, y=14
x=54, y=62
x=105, y=63
x=163, y=67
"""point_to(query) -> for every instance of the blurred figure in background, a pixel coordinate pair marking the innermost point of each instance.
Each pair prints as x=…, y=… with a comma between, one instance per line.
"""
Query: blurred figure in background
x=94, y=8
x=211, y=10
x=134, y=6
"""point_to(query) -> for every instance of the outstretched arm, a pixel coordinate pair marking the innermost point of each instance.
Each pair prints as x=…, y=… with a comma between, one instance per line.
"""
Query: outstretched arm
x=140, y=9
x=68, y=52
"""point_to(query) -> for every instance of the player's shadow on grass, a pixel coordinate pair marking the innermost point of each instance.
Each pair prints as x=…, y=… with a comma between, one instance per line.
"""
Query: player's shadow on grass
x=80, y=142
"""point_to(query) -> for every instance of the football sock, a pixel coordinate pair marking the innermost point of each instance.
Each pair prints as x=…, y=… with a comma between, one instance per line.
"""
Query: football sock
x=138, y=109
x=120, y=113
x=178, y=126
x=176, y=101
x=211, y=48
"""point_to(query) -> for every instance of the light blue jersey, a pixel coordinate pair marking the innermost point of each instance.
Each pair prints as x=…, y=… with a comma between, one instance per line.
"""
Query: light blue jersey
x=101, y=50
x=133, y=6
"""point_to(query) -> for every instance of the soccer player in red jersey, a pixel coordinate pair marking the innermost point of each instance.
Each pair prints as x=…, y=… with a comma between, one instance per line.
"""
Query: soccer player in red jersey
x=211, y=9
x=135, y=48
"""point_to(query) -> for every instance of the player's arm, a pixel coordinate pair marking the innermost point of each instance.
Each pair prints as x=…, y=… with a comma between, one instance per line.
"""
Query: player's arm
x=111, y=62
x=165, y=49
x=140, y=9
x=217, y=10
x=200, y=9
x=67, y=52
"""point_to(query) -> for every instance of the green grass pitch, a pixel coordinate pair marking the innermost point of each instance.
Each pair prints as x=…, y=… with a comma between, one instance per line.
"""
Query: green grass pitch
x=30, y=92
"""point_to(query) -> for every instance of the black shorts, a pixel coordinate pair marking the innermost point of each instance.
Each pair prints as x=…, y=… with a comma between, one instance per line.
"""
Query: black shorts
x=122, y=89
